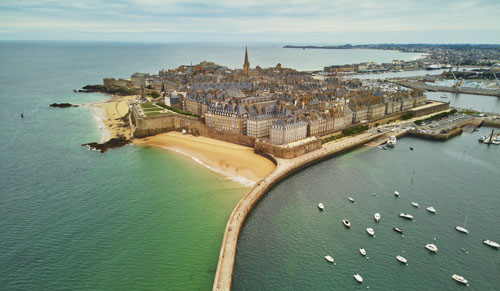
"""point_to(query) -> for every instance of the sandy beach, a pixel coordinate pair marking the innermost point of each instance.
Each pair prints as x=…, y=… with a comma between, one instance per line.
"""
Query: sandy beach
x=108, y=116
x=237, y=162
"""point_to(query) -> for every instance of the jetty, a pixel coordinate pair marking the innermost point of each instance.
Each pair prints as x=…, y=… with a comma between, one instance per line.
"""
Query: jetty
x=284, y=168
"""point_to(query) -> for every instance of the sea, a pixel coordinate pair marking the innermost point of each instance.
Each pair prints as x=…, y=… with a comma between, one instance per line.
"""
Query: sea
x=137, y=218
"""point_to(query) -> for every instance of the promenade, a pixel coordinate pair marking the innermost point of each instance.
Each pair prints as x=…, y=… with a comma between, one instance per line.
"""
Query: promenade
x=224, y=272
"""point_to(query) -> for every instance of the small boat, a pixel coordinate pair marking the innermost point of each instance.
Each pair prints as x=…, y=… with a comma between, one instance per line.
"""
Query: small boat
x=444, y=96
x=358, y=278
x=431, y=247
x=462, y=229
x=483, y=138
x=363, y=252
x=464, y=250
x=402, y=259
x=396, y=193
x=397, y=229
x=321, y=206
x=491, y=243
x=330, y=259
x=374, y=194
x=391, y=142
x=411, y=148
x=351, y=199
x=431, y=209
x=377, y=216
x=346, y=223
x=407, y=216
x=460, y=279
x=415, y=204
x=370, y=231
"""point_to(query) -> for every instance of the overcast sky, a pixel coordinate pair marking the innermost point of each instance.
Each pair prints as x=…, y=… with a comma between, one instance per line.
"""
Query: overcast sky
x=293, y=21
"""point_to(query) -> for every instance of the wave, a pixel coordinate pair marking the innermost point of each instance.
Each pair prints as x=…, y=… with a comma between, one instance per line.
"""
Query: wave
x=229, y=175
x=99, y=115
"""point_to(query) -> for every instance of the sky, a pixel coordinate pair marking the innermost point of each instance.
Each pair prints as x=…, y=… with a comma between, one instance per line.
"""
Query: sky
x=291, y=21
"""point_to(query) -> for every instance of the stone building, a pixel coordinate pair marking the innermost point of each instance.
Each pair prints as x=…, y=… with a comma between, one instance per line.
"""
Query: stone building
x=227, y=116
x=287, y=130
x=261, y=118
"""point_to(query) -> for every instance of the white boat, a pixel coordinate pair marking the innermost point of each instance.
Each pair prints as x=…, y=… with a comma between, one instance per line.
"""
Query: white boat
x=321, y=206
x=431, y=209
x=407, y=216
x=397, y=229
x=462, y=229
x=415, y=204
x=363, y=252
x=358, y=278
x=351, y=199
x=370, y=231
x=377, y=216
x=491, y=243
x=431, y=247
x=443, y=96
x=402, y=259
x=396, y=193
x=346, y=223
x=391, y=142
x=330, y=259
x=460, y=279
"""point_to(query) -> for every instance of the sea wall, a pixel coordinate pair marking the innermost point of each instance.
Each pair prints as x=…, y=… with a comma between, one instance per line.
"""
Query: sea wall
x=437, y=137
x=288, y=152
x=491, y=123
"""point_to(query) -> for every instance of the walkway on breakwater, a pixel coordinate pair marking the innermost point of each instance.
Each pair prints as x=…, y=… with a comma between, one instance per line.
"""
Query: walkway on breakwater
x=225, y=267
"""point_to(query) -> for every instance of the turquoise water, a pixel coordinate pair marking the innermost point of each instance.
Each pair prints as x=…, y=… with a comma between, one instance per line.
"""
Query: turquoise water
x=132, y=218
x=284, y=241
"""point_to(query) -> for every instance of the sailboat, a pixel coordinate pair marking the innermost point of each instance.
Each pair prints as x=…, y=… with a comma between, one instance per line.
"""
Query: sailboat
x=463, y=229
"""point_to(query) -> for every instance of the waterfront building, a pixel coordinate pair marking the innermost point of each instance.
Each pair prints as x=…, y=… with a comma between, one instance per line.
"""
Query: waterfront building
x=227, y=116
x=288, y=130
x=261, y=118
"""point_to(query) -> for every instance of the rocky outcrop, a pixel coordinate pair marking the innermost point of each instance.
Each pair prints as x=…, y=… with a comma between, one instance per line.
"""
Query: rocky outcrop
x=121, y=91
x=62, y=105
x=112, y=143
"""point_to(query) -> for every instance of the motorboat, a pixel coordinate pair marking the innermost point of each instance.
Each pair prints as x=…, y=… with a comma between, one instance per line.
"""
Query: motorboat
x=321, y=206
x=363, y=252
x=415, y=204
x=462, y=229
x=402, y=259
x=460, y=279
x=370, y=231
x=491, y=243
x=431, y=247
x=483, y=138
x=330, y=259
x=396, y=193
x=407, y=216
x=346, y=223
x=391, y=142
x=351, y=199
x=374, y=194
x=431, y=209
x=443, y=96
x=377, y=216
x=397, y=229
x=358, y=278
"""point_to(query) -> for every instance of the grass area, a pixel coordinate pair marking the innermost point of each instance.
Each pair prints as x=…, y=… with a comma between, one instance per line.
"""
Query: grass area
x=346, y=132
x=435, y=117
x=148, y=106
x=156, y=113
x=177, y=110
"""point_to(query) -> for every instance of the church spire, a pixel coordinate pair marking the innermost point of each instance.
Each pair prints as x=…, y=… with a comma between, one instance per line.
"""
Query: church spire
x=246, y=65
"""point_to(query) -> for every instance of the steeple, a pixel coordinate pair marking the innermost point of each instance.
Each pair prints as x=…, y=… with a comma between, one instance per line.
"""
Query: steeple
x=246, y=65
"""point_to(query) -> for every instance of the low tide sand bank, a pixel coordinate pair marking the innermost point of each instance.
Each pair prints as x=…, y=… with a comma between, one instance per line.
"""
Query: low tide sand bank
x=108, y=113
x=237, y=162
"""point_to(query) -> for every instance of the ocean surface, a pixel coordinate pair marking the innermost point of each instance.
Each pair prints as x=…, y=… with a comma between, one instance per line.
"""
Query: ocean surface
x=133, y=218
x=284, y=241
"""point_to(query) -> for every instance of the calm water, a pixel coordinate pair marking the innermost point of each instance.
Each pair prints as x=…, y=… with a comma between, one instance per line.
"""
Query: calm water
x=285, y=239
x=131, y=218
x=480, y=103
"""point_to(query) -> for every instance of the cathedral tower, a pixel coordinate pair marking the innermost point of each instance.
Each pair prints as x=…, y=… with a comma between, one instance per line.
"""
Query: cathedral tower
x=246, y=65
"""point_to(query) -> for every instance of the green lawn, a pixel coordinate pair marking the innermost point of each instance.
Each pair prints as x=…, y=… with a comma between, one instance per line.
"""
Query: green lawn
x=148, y=105
x=156, y=113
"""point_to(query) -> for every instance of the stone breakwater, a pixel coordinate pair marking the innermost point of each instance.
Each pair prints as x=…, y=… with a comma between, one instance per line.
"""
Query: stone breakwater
x=225, y=267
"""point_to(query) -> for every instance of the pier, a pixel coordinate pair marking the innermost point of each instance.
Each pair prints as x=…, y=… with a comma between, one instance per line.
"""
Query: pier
x=285, y=167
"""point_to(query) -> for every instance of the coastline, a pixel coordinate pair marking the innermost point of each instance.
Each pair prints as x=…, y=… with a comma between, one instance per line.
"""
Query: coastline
x=237, y=163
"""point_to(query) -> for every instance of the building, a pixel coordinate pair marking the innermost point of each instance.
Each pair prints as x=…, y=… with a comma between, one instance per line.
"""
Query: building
x=227, y=116
x=246, y=64
x=287, y=130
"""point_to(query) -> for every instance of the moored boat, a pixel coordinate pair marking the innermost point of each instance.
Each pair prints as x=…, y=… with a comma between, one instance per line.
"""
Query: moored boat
x=362, y=251
x=346, y=223
x=431, y=209
x=321, y=206
x=431, y=247
x=351, y=199
x=397, y=229
x=330, y=259
x=391, y=142
x=396, y=193
x=358, y=278
x=460, y=279
x=462, y=229
x=415, y=204
x=402, y=259
x=377, y=216
x=491, y=243
x=407, y=216
x=370, y=231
